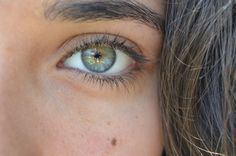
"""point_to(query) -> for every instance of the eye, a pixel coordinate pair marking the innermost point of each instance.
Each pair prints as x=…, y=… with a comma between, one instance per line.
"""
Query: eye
x=104, y=58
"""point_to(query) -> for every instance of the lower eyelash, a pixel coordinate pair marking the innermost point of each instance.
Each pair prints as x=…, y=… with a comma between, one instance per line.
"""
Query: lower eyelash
x=125, y=81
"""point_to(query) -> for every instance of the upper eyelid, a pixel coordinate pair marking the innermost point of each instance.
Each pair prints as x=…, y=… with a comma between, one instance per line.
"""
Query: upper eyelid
x=71, y=44
x=85, y=37
x=99, y=34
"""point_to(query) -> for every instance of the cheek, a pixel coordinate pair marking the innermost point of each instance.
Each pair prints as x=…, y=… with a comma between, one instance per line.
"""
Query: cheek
x=96, y=144
x=101, y=126
x=88, y=144
x=135, y=131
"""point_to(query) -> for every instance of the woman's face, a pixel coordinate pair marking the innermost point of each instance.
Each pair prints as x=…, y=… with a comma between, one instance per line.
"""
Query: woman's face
x=79, y=78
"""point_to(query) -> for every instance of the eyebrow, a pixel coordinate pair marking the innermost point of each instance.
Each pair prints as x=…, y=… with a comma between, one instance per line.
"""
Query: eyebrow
x=78, y=11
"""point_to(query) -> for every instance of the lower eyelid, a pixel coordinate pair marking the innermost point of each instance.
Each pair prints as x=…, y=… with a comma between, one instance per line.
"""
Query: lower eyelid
x=102, y=84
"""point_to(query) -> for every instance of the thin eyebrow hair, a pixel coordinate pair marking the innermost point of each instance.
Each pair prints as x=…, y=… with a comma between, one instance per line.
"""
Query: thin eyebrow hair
x=78, y=11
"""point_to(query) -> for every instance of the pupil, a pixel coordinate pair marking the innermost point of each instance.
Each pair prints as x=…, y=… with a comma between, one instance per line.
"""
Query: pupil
x=97, y=56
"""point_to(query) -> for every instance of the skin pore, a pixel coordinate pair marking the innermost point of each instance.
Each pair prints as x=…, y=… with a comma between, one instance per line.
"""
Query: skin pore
x=47, y=109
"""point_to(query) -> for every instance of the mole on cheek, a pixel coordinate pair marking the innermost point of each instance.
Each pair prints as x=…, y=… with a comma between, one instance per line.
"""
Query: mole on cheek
x=108, y=123
x=114, y=142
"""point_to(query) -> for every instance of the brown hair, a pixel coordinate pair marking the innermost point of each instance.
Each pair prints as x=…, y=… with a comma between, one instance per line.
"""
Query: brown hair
x=198, y=78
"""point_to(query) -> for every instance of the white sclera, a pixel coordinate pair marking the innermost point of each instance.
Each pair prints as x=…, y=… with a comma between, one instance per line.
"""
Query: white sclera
x=122, y=62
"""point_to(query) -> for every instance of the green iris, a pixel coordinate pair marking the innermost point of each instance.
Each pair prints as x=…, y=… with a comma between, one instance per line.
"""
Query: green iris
x=99, y=59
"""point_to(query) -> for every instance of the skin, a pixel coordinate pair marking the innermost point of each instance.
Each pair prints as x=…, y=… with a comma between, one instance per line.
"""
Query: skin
x=45, y=111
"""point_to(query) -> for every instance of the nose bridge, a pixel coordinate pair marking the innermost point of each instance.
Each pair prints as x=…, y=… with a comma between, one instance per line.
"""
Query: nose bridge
x=6, y=98
x=11, y=103
x=9, y=78
x=12, y=76
x=15, y=102
x=9, y=73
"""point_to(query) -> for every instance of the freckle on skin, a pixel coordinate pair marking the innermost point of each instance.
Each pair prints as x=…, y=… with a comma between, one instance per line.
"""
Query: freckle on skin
x=114, y=142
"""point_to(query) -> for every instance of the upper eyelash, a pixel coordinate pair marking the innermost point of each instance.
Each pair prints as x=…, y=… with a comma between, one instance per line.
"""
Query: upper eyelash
x=116, y=43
